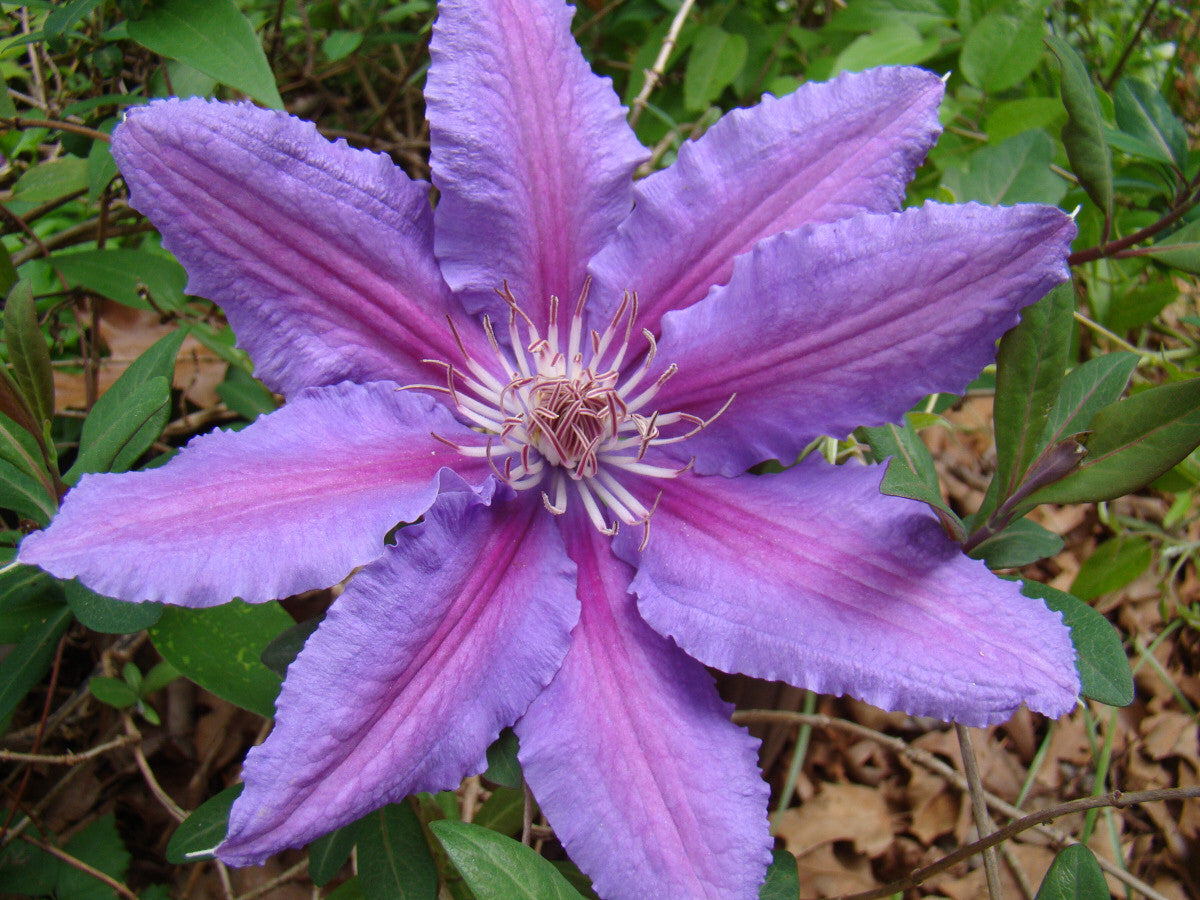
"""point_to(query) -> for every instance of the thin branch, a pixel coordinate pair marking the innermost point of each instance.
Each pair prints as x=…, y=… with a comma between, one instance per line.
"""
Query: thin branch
x=932, y=763
x=176, y=811
x=1111, y=248
x=655, y=72
x=295, y=871
x=1133, y=41
x=57, y=125
x=81, y=866
x=983, y=822
x=1116, y=799
x=66, y=759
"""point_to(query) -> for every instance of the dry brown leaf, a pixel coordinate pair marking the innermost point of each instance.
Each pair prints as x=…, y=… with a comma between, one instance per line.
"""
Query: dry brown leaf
x=825, y=872
x=839, y=812
x=1170, y=734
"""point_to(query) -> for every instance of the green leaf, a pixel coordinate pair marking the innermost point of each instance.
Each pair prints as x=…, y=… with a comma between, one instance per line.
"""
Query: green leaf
x=1142, y=113
x=19, y=448
x=1141, y=304
x=327, y=855
x=131, y=414
x=27, y=351
x=1011, y=118
x=1074, y=875
x=910, y=472
x=26, y=495
x=27, y=597
x=715, y=60
x=199, y=834
x=1083, y=135
x=1015, y=171
x=1111, y=566
x=107, y=615
x=503, y=767
x=1133, y=442
x=283, y=649
x=503, y=812
x=1180, y=249
x=30, y=659
x=1104, y=671
x=244, y=394
x=121, y=426
x=8, y=274
x=351, y=889
x=1021, y=543
x=126, y=276
x=394, y=862
x=1000, y=51
x=113, y=691
x=101, y=167
x=783, y=878
x=100, y=846
x=1086, y=390
x=64, y=16
x=212, y=36
x=51, y=180
x=340, y=44
x=496, y=867
x=1029, y=372
x=897, y=44
x=220, y=649
x=158, y=678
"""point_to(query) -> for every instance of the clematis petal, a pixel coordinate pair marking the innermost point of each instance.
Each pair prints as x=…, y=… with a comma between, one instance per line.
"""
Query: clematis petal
x=813, y=577
x=427, y=655
x=320, y=255
x=292, y=502
x=632, y=757
x=824, y=152
x=824, y=329
x=530, y=151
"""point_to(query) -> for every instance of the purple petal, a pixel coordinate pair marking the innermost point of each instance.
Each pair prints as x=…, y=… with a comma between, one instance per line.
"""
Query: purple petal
x=632, y=757
x=426, y=656
x=825, y=329
x=320, y=255
x=530, y=151
x=815, y=578
x=292, y=502
x=819, y=154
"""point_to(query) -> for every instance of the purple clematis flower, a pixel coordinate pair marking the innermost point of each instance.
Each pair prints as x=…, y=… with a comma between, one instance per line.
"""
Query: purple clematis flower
x=548, y=355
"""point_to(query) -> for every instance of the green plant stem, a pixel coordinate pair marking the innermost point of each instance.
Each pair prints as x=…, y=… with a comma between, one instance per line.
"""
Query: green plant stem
x=1039, y=759
x=803, y=735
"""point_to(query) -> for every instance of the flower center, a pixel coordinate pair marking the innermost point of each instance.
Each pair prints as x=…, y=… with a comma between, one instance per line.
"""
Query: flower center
x=569, y=419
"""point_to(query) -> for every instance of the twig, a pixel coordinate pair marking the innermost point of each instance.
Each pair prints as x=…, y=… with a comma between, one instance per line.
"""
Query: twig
x=1137, y=34
x=298, y=869
x=81, y=866
x=66, y=759
x=983, y=822
x=1116, y=799
x=1111, y=248
x=932, y=763
x=655, y=72
x=57, y=125
x=41, y=729
x=175, y=810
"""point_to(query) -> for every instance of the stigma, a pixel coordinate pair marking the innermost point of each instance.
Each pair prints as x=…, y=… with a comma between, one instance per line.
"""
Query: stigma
x=566, y=412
